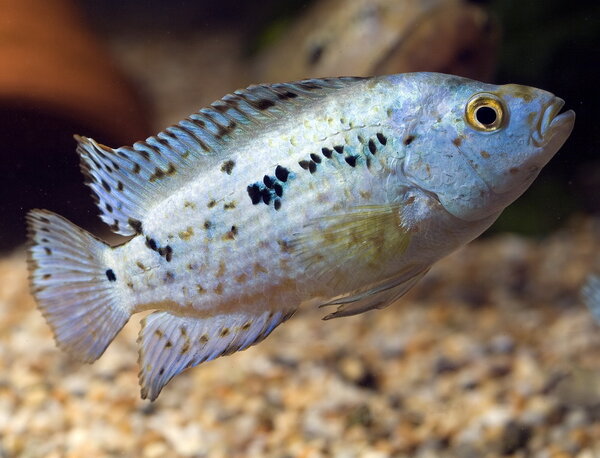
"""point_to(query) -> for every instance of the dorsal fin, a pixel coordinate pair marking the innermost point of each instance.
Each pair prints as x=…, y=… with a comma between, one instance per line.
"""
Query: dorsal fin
x=128, y=181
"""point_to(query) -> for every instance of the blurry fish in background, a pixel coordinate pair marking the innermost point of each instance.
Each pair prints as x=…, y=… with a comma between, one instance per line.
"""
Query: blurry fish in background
x=55, y=80
x=367, y=37
x=591, y=295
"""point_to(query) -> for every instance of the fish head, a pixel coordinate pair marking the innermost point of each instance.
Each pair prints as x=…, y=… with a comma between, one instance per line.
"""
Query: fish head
x=477, y=147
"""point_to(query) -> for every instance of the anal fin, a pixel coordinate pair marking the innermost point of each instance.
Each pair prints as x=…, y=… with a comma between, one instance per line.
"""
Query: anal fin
x=169, y=343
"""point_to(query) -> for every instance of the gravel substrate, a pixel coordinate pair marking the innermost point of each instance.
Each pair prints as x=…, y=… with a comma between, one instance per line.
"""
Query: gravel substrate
x=493, y=354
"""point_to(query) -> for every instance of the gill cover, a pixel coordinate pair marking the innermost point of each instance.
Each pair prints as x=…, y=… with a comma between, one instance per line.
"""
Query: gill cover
x=449, y=176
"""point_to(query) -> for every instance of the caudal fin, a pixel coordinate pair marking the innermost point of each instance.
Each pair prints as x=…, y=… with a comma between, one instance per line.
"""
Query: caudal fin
x=74, y=289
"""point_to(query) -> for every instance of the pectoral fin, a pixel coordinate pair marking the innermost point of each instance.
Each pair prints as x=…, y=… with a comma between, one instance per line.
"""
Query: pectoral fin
x=360, y=239
x=375, y=297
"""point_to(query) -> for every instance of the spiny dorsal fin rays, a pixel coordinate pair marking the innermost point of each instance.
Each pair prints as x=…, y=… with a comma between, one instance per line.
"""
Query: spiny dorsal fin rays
x=128, y=181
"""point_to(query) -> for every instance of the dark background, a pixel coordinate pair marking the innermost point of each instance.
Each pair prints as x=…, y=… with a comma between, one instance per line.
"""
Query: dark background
x=552, y=44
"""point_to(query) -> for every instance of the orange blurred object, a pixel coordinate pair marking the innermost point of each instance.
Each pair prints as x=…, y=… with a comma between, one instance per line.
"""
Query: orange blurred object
x=50, y=60
x=56, y=80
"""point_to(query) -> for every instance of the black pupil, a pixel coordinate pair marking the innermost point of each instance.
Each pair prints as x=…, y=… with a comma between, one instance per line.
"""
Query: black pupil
x=486, y=115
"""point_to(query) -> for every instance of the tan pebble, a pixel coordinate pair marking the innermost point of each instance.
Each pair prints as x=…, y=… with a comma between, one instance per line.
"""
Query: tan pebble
x=580, y=436
x=13, y=444
x=155, y=450
x=352, y=368
x=36, y=396
x=97, y=392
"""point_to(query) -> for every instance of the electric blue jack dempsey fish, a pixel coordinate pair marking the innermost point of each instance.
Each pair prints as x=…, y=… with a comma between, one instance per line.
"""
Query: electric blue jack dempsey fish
x=341, y=190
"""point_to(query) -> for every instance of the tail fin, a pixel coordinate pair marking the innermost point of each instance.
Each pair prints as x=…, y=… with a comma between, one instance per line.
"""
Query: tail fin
x=74, y=289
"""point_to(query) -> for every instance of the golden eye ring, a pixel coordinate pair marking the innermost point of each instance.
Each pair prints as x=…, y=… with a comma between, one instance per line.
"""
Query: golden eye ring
x=486, y=112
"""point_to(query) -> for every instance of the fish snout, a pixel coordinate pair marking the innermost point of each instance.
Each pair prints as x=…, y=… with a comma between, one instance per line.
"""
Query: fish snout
x=551, y=124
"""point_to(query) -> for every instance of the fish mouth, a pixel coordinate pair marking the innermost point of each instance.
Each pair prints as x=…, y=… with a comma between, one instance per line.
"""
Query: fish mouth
x=551, y=122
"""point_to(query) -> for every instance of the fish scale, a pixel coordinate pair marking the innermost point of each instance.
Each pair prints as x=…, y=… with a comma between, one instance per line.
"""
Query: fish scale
x=344, y=190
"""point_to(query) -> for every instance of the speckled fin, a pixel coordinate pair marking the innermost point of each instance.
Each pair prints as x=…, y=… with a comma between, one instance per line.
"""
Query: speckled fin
x=361, y=237
x=591, y=295
x=170, y=344
x=128, y=181
x=375, y=297
x=72, y=285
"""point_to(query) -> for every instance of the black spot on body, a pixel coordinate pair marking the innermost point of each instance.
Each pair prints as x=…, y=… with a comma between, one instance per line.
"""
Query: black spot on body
x=105, y=186
x=278, y=189
x=327, y=152
x=315, y=158
x=135, y=224
x=227, y=167
x=120, y=186
x=281, y=173
x=268, y=181
x=351, y=160
x=304, y=164
x=277, y=204
x=372, y=147
x=169, y=277
x=254, y=193
x=409, y=139
x=339, y=149
x=151, y=243
x=266, y=195
x=47, y=250
x=109, y=208
x=207, y=224
x=211, y=203
x=111, y=275
x=168, y=253
x=381, y=138
x=136, y=168
x=312, y=167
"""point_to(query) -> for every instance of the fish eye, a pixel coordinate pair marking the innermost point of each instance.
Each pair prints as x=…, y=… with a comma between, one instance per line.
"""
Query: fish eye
x=485, y=112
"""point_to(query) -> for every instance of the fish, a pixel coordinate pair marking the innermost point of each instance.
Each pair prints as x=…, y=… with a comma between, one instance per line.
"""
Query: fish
x=337, y=191
x=591, y=295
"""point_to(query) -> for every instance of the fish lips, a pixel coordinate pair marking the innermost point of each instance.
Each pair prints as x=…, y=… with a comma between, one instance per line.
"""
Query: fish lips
x=552, y=127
